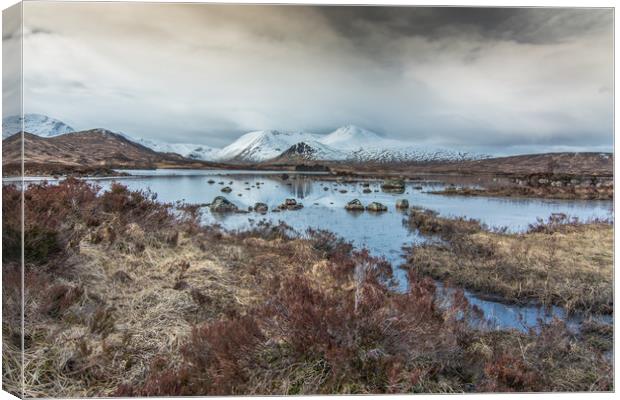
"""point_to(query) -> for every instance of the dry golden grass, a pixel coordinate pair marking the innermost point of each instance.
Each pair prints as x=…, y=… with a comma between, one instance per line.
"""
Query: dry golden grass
x=570, y=265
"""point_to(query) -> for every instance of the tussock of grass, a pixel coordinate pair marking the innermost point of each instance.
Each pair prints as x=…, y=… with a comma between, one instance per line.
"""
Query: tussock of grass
x=138, y=300
x=558, y=262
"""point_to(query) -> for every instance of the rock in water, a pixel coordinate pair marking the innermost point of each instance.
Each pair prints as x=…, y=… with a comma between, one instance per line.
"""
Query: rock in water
x=226, y=189
x=290, y=204
x=222, y=204
x=393, y=185
x=261, y=208
x=210, y=181
x=366, y=191
x=402, y=204
x=354, y=205
x=376, y=207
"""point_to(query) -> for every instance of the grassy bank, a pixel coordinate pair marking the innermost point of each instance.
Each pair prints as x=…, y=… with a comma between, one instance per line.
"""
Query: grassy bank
x=558, y=262
x=544, y=192
x=126, y=296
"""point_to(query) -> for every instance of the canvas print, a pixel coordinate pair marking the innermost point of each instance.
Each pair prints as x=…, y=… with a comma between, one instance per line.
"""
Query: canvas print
x=226, y=199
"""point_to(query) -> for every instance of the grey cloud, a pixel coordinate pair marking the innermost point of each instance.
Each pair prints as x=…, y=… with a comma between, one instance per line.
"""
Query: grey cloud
x=464, y=77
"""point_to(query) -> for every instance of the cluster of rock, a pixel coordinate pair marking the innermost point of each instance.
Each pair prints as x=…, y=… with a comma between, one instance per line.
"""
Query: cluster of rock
x=356, y=205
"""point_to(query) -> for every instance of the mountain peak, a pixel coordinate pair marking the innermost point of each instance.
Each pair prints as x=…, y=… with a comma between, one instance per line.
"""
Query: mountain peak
x=351, y=136
x=38, y=124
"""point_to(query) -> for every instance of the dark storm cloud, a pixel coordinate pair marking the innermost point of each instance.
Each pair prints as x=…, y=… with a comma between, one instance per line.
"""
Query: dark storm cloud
x=523, y=25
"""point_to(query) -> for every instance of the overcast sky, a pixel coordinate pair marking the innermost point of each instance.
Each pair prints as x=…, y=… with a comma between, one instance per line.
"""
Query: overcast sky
x=502, y=80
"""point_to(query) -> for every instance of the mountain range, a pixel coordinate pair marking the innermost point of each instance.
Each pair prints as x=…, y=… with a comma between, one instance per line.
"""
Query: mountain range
x=348, y=143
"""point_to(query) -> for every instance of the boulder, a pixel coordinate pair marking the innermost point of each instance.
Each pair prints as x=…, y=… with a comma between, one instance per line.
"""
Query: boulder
x=365, y=184
x=210, y=181
x=226, y=189
x=402, y=204
x=222, y=204
x=326, y=188
x=343, y=191
x=354, y=205
x=366, y=191
x=376, y=207
x=261, y=208
x=290, y=204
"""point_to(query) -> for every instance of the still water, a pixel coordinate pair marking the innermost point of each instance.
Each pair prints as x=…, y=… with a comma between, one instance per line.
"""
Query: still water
x=383, y=234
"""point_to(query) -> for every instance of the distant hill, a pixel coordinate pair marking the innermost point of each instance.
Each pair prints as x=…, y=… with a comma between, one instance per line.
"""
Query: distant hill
x=92, y=148
x=585, y=163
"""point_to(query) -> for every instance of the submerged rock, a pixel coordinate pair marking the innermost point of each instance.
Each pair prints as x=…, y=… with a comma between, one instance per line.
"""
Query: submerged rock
x=261, y=208
x=366, y=191
x=210, y=181
x=402, y=204
x=376, y=207
x=222, y=205
x=226, y=189
x=354, y=205
x=343, y=191
x=326, y=188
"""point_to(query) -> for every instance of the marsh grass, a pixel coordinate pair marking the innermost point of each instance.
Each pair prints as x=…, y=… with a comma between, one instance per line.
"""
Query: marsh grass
x=140, y=299
x=557, y=262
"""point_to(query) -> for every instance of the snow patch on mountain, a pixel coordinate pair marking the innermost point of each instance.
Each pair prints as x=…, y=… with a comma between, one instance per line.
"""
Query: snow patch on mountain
x=37, y=124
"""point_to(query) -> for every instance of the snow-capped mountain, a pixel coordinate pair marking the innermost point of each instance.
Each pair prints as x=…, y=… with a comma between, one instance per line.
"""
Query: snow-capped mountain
x=348, y=143
x=37, y=124
x=193, y=151
x=264, y=145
